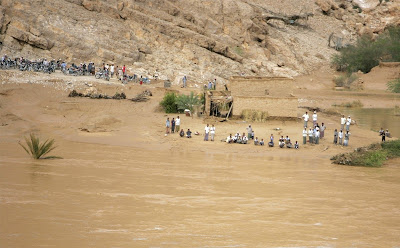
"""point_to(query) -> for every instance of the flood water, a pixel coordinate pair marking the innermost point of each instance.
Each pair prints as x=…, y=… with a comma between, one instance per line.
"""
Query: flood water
x=194, y=199
x=375, y=118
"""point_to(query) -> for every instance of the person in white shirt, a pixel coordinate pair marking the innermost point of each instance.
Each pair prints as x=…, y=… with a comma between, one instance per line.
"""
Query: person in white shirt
x=346, y=138
x=212, y=132
x=112, y=70
x=323, y=127
x=229, y=139
x=310, y=136
x=306, y=117
x=305, y=135
x=207, y=131
x=340, y=137
x=245, y=139
x=342, y=122
x=249, y=131
x=348, y=123
x=177, y=123
x=256, y=141
x=296, y=145
x=314, y=118
x=317, y=134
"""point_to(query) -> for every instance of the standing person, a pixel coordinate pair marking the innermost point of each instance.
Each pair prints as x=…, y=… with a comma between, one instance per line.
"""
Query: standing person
x=252, y=134
x=348, y=123
x=314, y=118
x=383, y=136
x=306, y=117
x=387, y=133
x=310, y=136
x=317, y=135
x=215, y=83
x=346, y=138
x=249, y=131
x=184, y=79
x=167, y=126
x=322, y=130
x=124, y=70
x=340, y=135
x=212, y=132
x=305, y=135
x=177, y=123
x=209, y=85
x=207, y=131
x=335, y=135
x=112, y=70
x=342, y=122
x=173, y=125
x=296, y=145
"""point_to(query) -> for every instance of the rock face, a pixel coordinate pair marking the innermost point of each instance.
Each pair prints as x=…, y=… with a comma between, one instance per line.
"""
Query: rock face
x=203, y=39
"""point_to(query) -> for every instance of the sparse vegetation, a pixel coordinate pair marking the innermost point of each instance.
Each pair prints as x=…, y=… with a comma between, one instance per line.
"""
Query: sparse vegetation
x=371, y=156
x=168, y=103
x=345, y=80
x=254, y=115
x=353, y=104
x=188, y=101
x=367, y=52
x=394, y=86
x=37, y=149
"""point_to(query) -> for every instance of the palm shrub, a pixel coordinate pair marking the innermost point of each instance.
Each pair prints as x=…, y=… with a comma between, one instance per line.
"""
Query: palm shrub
x=188, y=101
x=37, y=149
x=168, y=103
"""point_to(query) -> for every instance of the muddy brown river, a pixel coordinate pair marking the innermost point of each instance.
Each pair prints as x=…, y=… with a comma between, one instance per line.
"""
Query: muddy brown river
x=195, y=199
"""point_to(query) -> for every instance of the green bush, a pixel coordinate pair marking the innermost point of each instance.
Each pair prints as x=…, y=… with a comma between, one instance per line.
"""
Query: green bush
x=38, y=150
x=371, y=159
x=188, y=101
x=394, y=86
x=169, y=103
x=392, y=148
x=366, y=53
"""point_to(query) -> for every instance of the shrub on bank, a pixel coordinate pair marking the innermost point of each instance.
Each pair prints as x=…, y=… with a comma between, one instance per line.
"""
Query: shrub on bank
x=370, y=156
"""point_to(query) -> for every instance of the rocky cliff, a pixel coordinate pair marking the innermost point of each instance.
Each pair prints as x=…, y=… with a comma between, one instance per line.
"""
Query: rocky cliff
x=200, y=38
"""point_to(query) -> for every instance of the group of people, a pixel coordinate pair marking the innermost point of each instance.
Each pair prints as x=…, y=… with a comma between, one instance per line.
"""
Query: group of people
x=315, y=132
x=343, y=136
x=384, y=134
x=241, y=139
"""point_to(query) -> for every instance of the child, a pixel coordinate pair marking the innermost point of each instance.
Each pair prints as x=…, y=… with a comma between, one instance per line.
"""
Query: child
x=262, y=142
x=296, y=145
x=256, y=141
x=189, y=133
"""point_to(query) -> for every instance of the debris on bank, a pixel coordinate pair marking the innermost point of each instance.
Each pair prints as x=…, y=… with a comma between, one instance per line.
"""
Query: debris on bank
x=117, y=96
